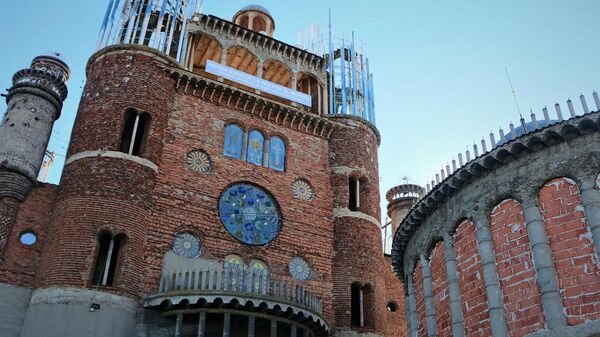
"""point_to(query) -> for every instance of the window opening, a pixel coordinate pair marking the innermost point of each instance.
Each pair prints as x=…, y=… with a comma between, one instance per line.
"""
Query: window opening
x=133, y=133
x=233, y=141
x=106, y=260
x=354, y=194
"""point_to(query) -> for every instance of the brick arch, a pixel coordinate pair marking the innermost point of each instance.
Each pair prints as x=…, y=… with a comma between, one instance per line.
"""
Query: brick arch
x=441, y=292
x=516, y=272
x=572, y=247
x=470, y=279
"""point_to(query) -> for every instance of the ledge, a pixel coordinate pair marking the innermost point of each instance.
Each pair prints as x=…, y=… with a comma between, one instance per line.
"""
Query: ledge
x=112, y=154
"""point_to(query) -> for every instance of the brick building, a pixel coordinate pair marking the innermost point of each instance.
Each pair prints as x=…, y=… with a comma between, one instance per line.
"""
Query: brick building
x=507, y=243
x=218, y=182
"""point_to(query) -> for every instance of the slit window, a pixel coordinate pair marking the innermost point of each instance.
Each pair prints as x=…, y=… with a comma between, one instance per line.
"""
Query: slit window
x=353, y=194
x=357, y=312
x=106, y=260
x=134, y=132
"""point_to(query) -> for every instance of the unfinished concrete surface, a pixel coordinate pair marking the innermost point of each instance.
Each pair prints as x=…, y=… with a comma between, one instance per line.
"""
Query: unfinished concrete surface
x=13, y=305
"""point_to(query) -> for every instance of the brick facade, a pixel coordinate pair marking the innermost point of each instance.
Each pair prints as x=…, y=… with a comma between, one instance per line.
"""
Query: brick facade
x=441, y=299
x=395, y=320
x=572, y=248
x=420, y=297
x=516, y=271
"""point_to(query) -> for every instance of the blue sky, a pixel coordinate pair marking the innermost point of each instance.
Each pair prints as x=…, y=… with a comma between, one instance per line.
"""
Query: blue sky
x=438, y=65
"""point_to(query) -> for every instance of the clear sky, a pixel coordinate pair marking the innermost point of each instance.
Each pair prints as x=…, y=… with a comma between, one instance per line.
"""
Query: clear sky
x=438, y=65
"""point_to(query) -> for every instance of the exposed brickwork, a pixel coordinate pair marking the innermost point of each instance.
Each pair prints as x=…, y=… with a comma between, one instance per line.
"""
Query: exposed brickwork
x=420, y=298
x=470, y=278
x=21, y=261
x=8, y=211
x=572, y=248
x=395, y=321
x=441, y=295
x=514, y=262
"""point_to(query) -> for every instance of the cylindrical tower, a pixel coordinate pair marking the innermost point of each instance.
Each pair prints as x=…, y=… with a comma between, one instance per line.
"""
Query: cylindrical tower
x=401, y=199
x=358, y=278
x=34, y=103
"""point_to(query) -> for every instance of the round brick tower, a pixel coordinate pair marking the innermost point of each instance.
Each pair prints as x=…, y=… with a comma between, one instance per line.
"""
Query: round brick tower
x=401, y=199
x=94, y=253
x=34, y=104
x=359, y=286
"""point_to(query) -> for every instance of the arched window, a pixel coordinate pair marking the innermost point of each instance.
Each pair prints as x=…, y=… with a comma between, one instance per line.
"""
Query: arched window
x=353, y=194
x=259, y=268
x=255, y=150
x=277, y=154
x=106, y=259
x=233, y=141
x=134, y=132
x=356, y=305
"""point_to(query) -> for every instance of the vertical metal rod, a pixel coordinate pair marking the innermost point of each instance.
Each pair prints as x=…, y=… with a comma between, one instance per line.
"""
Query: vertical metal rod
x=372, y=95
x=131, y=18
x=365, y=113
x=343, y=66
x=357, y=193
x=361, y=307
x=111, y=246
x=201, y=324
x=546, y=116
x=111, y=21
x=173, y=25
x=586, y=110
x=353, y=77
x=596, y=100
x=571, y=108
x=119, y=31
x=159, y=25
x=147, y=14
x=104, y=24
x=331, y=67
x=558, y=112
x=136, y=24
x=183, y=36
x=134, y=134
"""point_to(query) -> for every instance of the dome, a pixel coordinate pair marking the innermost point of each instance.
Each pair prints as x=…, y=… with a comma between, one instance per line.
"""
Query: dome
x=255, y=8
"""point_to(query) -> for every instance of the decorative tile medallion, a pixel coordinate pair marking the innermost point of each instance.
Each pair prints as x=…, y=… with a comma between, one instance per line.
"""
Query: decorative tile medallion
x=186, y=245
x=301, y=189
x=299, y=269
x=198, y=161
x=249, y=214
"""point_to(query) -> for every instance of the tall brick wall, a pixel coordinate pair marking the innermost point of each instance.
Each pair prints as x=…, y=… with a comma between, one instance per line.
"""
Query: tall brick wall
x=420, y=299
x=102, y=193
x=395, y=321
x=8, y=211
x=572, y=249
x=441, y=295
x=514, y=262
x=470, y=278
x=21, y=261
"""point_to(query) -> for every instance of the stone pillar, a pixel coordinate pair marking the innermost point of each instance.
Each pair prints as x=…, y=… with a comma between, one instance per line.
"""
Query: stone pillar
x=178, y=325
x=490, y=279
x=428, y=295
x=544, y=267
x=226, y=324
x=273, y=328
x=590, y=198
x=413, y=320
x=458, y=328
x=201, y=324
x=251, y=323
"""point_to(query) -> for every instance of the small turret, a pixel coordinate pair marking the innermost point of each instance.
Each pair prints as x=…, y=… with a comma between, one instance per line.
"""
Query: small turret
x=256, y=18
x=401, y=199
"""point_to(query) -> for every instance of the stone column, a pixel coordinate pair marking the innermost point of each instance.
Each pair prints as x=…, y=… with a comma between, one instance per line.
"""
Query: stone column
x=590, y=198
x=413, y=320
x=490, y=278
x=458, y=328
x=544, y=267
x=226, y=324
x=428, y=294
x=251, y=323
x=178, y=325
x=273, y=328
x=201, y=324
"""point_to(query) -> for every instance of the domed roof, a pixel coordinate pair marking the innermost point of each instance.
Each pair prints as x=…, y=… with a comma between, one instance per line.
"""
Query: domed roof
x=256, y=8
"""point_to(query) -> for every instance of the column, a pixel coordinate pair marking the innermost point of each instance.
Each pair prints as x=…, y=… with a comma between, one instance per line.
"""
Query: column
x=266, y=152
x=273, y=328
x=544, y=267
x=428, y=294
x=251, y=323
x=458, y=328
x=413, y=320
x=244, y=145
x=490, y=279
x=226, y=324
x=178, y=325
x=201, y=324
x=294, y=331
x=590, y=198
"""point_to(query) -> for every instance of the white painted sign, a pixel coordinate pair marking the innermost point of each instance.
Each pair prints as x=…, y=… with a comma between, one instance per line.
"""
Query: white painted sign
x=257, y=83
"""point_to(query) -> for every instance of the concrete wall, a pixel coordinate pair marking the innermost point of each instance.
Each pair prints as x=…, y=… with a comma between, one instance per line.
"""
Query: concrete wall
x=65, y=312
x=13, y=305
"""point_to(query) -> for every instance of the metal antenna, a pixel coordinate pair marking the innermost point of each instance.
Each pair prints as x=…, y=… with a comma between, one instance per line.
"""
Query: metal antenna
x=513, y=92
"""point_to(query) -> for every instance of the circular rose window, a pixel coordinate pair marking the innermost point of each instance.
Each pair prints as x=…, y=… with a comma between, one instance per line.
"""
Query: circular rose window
x=299, y=269
x=186, y=245
x=249, y=214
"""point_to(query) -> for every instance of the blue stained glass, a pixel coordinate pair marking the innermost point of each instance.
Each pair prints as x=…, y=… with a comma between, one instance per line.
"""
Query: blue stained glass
x=249, y=214
x=277, y=154
x=233, y=141
x=255, y=151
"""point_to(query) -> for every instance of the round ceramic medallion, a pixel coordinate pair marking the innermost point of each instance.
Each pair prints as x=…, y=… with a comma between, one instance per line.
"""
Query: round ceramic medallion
x=301, y=189
x=186, y=245
x=249, y=214
x=198, y=161
x=299, y=269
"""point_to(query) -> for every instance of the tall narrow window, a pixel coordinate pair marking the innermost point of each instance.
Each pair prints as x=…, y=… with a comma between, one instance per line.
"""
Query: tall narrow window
x=134, y=132
x=233, y=141
x=277, y=154
x=353, y=194
x=356, y=305
x=255, y=151
x=106, y=260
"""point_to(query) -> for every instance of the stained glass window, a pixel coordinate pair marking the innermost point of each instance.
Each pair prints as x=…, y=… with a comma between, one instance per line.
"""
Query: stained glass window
x=187, y=245
x=277, y=154
x=233, y=141
x=299, y=269
x=234, y=260
x=249, y=214
x=255, y=151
